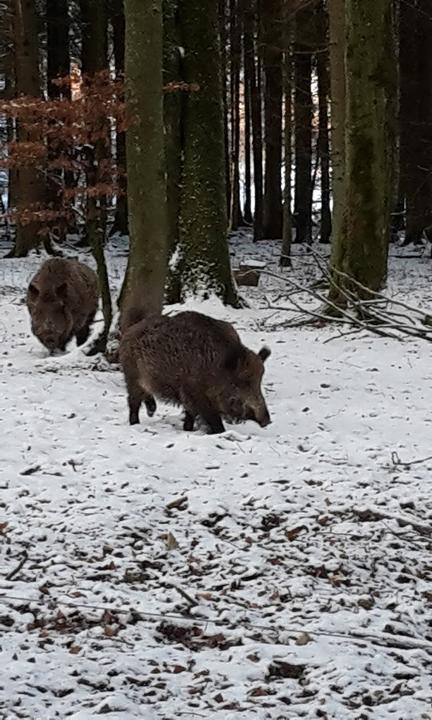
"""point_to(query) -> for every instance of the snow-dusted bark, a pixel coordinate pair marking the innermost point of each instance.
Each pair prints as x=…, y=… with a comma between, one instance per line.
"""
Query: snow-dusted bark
x=360, y=248
x=204, y=259
x=145, y=153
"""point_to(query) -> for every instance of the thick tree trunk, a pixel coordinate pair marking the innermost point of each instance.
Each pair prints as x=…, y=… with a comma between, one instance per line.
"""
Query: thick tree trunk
x=303, y=128
x=29, y=188
x=253, y=75
x=204, y=259
x=323, y=132
x=145, y=279
x=272, y=20
x=361, y=248
x=337, y=91
x=120, y=224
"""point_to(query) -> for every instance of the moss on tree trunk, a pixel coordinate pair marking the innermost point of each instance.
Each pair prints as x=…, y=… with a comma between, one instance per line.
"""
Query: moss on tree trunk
x=145, y=278
x=204, y=262
x=361, y=246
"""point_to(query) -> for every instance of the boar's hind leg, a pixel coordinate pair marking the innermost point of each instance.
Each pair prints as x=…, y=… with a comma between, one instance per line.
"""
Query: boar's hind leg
x=189, y=420
x=137, y=395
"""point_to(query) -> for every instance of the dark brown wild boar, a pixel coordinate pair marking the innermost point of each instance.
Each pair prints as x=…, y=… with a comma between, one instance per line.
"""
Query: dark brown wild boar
x=194, y=361
x=62, y=299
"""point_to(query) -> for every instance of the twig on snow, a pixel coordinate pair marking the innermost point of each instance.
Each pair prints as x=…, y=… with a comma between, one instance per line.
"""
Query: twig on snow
x=15, y=571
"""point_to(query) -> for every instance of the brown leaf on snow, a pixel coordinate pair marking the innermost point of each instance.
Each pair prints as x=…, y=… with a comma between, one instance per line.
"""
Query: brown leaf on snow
x=283, y=669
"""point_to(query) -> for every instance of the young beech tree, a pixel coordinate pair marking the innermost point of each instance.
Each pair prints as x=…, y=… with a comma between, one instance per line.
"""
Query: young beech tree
x=146, y=272
x=360, y=246
x=203, y=260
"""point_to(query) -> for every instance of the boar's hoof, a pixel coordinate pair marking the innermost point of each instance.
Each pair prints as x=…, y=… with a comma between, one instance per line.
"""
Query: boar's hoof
x=150, y=406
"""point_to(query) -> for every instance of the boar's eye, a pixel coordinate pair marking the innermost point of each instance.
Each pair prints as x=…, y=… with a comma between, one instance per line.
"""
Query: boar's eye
x=33, y=291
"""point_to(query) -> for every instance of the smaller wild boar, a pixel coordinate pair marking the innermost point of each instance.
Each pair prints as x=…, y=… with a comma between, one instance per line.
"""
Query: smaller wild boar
x=194, y=361
x=62, y=299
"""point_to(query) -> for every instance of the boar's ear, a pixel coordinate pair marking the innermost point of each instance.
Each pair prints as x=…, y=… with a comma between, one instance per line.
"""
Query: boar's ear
x=33, y=291
x=61, y=291
x=235, y=356
x=264, y=353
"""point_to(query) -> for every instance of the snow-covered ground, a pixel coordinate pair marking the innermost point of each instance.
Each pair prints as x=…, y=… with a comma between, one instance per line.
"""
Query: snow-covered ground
x=275, y=573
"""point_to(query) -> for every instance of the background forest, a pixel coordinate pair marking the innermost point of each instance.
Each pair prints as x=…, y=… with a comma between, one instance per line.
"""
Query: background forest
x=266, y=163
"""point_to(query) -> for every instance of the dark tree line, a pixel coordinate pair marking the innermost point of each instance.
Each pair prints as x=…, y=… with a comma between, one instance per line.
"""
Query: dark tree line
x=261, y=128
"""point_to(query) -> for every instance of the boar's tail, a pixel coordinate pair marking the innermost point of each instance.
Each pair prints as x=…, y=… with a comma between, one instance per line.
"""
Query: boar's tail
x=133, y=312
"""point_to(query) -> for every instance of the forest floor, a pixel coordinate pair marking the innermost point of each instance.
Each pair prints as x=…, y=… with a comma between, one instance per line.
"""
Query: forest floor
x=275, y=573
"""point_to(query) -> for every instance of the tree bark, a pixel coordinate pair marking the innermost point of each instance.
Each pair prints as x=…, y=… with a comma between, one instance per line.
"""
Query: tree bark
x=204, y=259
x=29, y=188
x=303, y=127
x=272, y=19
x=235, y=215
x=323, y=150
x=361, y=249
x=247, y=209
x=58, y=66
x=253, y=77
x=145, y=278
x=415, y=115
x=94, y=54
x=337, y=92
x=173, y=103
x=285, y=258
x=120, y=224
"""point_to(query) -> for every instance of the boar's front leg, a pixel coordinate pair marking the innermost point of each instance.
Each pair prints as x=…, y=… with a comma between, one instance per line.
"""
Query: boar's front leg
x=189, y=420
x=83, y=333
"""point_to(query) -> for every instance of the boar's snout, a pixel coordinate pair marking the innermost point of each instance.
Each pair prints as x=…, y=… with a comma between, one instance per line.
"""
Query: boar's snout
x=264, y=419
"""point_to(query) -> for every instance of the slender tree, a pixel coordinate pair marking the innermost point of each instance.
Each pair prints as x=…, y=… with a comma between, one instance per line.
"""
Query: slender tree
x=337, y=93
x=272, y=23
x=146, y=273
x=253, y=81
x=235, y=215
x=203, y=258
x=303, y=112
x=360, y=250
x=285, y=258
x=323, y=149
x=117, y=19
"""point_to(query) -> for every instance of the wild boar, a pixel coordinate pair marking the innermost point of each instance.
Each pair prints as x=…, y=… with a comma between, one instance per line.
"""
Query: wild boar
x=62, y=299
x=194, y=361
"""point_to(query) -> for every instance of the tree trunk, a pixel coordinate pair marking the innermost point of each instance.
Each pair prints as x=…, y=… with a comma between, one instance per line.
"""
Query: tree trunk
x=120, y=224
x=173, y=121
x=337, y=91
x=415, y=113
x=94, y=53
x=361, y=249
x=145, y=278
x=224, y=61
x=253, y=77
x=303, y=128
x=204, y=259
x=247, y=209
x=58, y=66
x=285, y=258
x=323, y=132
x=29, y=188
x=235, y=216
x=272, y=18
